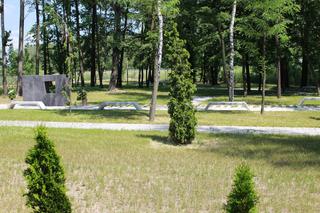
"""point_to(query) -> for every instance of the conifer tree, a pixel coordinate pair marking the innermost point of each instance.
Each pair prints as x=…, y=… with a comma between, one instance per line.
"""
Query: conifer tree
x=182, y=113
x=243, y=197
x=45, y=177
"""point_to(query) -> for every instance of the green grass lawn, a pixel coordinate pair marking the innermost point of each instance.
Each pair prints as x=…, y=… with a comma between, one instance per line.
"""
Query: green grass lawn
x=272, y=119
x=109, y=171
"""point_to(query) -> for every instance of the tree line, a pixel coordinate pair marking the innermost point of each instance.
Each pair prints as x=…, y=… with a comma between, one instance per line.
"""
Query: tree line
x=276, y=37
x=274, y=41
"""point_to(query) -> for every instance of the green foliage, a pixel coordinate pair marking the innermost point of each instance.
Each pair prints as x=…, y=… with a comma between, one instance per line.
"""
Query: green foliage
x=45, y=177
x=12, y=94
x=12, y=61
x=66, y=93
x=243, y=197
x=182, y=113
x=28, y=65
x=81, y=94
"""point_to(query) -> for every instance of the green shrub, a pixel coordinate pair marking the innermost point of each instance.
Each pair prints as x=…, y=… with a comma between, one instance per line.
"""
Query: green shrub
x=82, y=96
x=12, y=94
x=45, y=177
x=183, y=122
x=243, y=197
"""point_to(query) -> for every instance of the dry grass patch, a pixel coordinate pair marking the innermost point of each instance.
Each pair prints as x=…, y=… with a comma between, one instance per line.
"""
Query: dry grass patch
x=110, y=171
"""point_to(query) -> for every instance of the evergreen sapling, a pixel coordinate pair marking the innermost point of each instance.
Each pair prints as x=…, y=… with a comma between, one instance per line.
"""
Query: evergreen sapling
x=45, y=177
x=183, y=122
x=243, y=197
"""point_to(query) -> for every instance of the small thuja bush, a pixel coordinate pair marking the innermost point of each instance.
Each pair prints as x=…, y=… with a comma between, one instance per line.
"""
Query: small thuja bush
x=12, y=94
x=45, y=177
x=243, y=197
x=183, y=122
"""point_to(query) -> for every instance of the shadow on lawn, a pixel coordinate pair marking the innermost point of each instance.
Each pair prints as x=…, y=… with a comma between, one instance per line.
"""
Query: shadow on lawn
x=158, y=138
x=292, y=151
x=106, y=114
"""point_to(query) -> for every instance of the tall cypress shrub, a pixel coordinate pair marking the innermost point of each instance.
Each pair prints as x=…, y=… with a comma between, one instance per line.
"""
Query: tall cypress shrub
x=243, y=197
x=183, y=122
x=45, y=177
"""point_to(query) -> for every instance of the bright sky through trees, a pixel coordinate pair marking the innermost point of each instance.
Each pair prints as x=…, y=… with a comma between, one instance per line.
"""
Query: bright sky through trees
x=12, y=19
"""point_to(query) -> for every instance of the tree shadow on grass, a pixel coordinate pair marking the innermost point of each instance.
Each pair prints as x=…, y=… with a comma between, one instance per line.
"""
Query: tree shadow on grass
x=158, y=138
x=315, y=118
x=105, y=114
x=291, y=151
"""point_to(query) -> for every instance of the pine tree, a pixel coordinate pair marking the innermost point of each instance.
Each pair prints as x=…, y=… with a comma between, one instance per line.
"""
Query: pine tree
x=21, y=47
x=45, y=177
x=182, y=113
x=243, y=197
x=5, y=39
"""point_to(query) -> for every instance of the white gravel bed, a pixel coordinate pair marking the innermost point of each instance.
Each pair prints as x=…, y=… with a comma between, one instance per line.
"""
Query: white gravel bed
x=253, y=108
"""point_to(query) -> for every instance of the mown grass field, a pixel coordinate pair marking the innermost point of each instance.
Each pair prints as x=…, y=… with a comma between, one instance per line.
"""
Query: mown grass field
x=270, y=119
x=111, y=171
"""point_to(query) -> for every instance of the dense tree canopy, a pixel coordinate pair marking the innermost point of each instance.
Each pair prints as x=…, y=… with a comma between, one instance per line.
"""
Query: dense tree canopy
x=275, y=41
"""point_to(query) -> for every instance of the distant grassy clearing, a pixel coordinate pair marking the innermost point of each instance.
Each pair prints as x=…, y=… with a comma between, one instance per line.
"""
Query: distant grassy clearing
x=135, y=172
x=272, y=119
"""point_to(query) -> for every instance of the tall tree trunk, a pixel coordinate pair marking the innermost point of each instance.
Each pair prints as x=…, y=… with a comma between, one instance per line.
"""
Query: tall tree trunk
x=119, y=82
x=147, y=76
x=305, y=67
x=59, y=50
x=37, y=38
x=224, y=62
x=260, y=82
x=231, y=78
x=4, y=53
x=244, y=77
x=139, y=77
x=214, y=74
x=305, y=48
x=157, y=68
x=45, y=40
x=21, y=48
x=93, y=44
x=264, y=73
x=278, y=66
x=284, y=72
x=79, y=43
x=115, y=50
x=318, y=84
x=248, y=76
x=142, y=76
x=67, y=22
x=100, y=70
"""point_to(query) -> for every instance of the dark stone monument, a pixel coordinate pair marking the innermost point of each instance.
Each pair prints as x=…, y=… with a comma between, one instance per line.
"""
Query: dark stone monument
x=48, y=89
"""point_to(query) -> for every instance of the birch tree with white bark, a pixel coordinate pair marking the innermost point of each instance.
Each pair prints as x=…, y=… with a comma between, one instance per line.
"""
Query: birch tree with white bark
x=232, y=52
x=158, y=61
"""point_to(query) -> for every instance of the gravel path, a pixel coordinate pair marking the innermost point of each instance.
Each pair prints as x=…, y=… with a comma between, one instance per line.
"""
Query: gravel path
x=164, y=127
